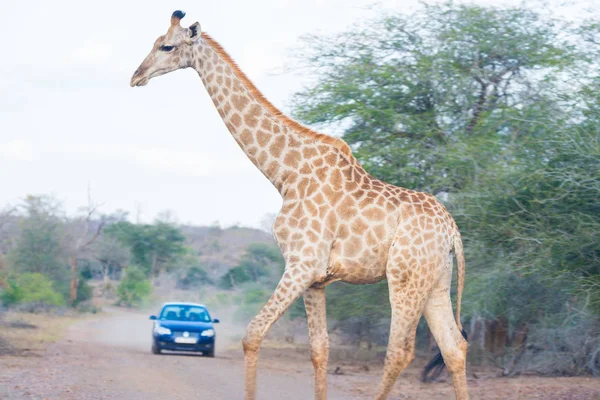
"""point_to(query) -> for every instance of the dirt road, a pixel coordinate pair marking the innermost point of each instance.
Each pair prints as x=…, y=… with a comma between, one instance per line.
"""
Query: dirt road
x=109, y=358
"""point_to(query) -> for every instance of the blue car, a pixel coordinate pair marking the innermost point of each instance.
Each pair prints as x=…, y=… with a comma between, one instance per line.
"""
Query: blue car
x=184, y=327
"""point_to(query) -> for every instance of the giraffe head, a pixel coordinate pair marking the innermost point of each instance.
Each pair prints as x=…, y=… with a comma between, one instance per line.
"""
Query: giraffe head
x=170, y=52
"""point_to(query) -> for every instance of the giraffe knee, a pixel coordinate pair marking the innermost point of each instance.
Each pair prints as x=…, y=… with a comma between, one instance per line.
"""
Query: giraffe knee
x=401, y=356
x=252, y=339
x=319, y=354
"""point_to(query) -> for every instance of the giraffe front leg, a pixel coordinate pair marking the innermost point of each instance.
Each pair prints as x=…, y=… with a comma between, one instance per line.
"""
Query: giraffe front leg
x=294, y=282
x=400, y=352
x=314, y=301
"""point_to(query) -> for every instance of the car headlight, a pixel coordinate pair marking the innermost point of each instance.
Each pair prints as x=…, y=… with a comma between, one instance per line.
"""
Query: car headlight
x=161, y=330
x=208, y=333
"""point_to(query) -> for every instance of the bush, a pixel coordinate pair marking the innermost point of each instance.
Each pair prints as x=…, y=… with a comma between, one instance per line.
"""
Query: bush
x=235, y=276
x=31, y=288
x=250, y=302
x=87, y=307
x=84, y=290
x=193, y=276
x=12, y=293
x=134, y=289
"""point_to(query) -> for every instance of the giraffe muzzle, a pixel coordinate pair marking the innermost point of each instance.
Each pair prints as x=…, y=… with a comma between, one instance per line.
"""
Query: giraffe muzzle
x=138, y=80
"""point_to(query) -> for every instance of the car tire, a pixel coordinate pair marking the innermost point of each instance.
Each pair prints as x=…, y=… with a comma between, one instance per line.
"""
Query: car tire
x=210, y=354
x=155, y=349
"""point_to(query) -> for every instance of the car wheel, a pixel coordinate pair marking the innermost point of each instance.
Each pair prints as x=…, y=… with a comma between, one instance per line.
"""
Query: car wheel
x=210, y=353
x=155, y=349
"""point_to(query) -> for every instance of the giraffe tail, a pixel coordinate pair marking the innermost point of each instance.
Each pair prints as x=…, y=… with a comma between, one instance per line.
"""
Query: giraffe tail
x=460, y=275
x=434, y=368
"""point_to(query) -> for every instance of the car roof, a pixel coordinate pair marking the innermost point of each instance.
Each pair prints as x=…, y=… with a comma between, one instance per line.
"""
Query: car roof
x=182, y=303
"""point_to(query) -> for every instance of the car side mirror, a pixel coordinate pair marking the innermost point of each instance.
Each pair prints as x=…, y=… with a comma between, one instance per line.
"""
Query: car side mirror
x=153, y=317
x=216, y=321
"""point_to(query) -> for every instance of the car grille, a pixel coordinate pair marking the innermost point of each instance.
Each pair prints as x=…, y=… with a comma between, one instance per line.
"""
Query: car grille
x=190, y=334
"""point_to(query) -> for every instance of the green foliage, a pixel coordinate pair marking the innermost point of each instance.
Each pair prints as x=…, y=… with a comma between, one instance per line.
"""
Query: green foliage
x=31, y=288
x=250, y=301
x=84, y=290
x=260, y=252
x=234, y=277
x=189, y=271
x=111, y=254
x=153, y=247
x=221, y=300
x=87, y=307
x=362, y=311
x=12, y=293
x=38, y=248
x=416, y=93
x=134, y=289
x=193, y=276
x=260, y=263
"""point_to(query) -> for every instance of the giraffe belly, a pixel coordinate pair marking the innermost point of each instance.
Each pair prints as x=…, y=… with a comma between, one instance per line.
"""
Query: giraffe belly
x=368, y=267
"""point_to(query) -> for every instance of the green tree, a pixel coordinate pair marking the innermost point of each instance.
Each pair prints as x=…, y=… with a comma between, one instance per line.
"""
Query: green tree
x=134, y=289
x=423, y=98
x=112, y=255
x=190, y=272
x=31, y=288
x=260, y=263
x=153, y=247
x=38, y=248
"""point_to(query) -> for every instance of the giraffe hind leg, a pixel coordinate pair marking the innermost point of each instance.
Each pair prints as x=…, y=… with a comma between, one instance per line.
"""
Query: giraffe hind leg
x=400, y=353
x=451, y=341
x=409, y=289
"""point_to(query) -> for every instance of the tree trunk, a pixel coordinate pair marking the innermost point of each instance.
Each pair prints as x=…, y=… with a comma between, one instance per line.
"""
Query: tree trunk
x=478, y=108
x=154, y=270
x=518, y=344
x=105, y=273
x=74, y=280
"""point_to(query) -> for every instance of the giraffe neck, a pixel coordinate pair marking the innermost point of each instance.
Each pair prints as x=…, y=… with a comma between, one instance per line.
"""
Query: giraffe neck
x=277, y=145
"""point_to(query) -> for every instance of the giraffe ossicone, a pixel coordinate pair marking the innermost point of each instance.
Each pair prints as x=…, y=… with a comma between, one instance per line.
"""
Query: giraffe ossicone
x=337, y=222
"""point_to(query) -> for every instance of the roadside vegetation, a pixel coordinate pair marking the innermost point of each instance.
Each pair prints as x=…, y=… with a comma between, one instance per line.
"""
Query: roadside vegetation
x=22, y=334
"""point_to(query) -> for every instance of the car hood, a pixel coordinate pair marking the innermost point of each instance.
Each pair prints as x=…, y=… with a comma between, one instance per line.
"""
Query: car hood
x=186, y=326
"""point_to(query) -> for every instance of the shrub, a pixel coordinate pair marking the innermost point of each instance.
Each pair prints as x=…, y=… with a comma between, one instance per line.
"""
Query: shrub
x=250, y=302
x=31, y=288
x=87, y=307
x=84, y=290
x=193, y=276
x=11, y=294
x=134, y=289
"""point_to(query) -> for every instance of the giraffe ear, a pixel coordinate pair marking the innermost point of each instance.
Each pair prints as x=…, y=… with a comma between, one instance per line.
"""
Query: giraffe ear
x=193, y=33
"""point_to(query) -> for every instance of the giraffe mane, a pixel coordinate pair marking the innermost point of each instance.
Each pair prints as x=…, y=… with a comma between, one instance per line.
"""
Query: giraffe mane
x=287, y=121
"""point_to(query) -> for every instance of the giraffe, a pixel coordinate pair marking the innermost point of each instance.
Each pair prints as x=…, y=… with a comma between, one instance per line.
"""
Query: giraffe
x=337, y=222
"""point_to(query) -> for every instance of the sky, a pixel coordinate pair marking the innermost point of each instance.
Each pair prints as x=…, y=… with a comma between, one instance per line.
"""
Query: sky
x=69, y=120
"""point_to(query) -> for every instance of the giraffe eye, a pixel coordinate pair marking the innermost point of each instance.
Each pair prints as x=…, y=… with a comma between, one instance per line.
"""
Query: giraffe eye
x=166, y=48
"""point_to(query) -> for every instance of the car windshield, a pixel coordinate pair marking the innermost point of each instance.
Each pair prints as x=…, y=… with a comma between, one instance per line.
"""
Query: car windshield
x=177, y=312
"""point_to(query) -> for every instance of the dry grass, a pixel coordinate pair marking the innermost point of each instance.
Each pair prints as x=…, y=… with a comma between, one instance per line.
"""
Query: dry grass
x=25, y=333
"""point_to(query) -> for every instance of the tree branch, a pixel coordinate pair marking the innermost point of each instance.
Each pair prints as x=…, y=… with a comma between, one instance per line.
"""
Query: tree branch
x=479, y=105
x=93, y=239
